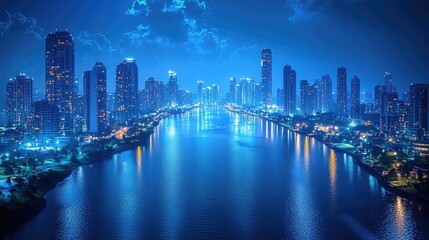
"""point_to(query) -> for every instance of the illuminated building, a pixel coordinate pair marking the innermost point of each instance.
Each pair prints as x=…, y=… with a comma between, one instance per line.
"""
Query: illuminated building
x=325, y=94
x=419, y=99
x=215, y=97
x=258, y=94
x=280, y=97
x=95, y=98
x=19, y=100
x=289, y=90
x=126, y=91
x=388, y=83
x=342, y=90
x=308, y=98
x=266, y=76
x=46, y=119
x=232, y=90
x=247, y=90
x=378, y=92
x=61, y=85
x=153, y=90
x=389, y=118
x=355, y=111
x=200, y=87
x=172, y=88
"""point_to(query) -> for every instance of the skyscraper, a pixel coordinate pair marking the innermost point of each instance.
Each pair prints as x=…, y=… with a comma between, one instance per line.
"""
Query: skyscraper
x=325, y=94
x=389, y=118
x=126, y=90
x=342, y=91
x=289, y=90
x=355, y=97
x=46, y=119
x=266, y=76
x=215, y=94
x=280, y=97
x=378, y=96
x=19, y=100
x=247, y=87
x=308, y=98
x=388, y=83
x=200, y=87
x=172, y=88
x=233, y=90
x=95, y=98
x=419, y=99
x=61, y=86
x=153, y=90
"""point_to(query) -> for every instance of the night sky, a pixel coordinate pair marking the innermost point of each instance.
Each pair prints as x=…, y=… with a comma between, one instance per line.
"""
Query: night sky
x=214, y=39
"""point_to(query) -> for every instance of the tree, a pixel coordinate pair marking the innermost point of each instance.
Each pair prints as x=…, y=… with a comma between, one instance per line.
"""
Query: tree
x=9, y=181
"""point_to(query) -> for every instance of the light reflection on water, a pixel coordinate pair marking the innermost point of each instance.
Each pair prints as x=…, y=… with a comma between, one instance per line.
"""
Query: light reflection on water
x=214, y=174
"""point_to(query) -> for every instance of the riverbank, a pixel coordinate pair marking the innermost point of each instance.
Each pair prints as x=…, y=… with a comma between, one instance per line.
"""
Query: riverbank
x=29, y=200
x=357, y=158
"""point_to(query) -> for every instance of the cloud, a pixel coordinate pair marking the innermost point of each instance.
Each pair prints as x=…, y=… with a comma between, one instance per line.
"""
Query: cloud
x=309, y=9
x=173, y=23
x=236, y=54
x=98, y=40
x=17, y=24
x=306, y=9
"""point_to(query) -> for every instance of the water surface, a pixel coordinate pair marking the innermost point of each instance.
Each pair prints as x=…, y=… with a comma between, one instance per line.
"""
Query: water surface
x=212, y=174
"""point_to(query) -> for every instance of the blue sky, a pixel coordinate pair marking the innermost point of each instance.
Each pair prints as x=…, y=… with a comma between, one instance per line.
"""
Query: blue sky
x=212, y=40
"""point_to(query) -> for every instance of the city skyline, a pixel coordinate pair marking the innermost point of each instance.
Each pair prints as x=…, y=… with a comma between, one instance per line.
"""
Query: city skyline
x=204, y=119
x=367, y=52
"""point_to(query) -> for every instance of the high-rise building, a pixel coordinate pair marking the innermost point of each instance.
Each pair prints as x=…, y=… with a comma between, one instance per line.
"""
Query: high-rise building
x=111, y=109
x=232, y=90
x=19, y=100
x=215, y=95
x=389, y=117
x=172, y=88
x=247, y=90
x=95, y=98
x=61, y=85
x=342, y=90
x=355, y=97
x=200, y=86
x=388, y=83
x=266, y=76
x=280, y=97
x=153, y=90
x=419, y=99
x=403, y=111
x=308, y=98
x=185, y=97
x=325, y=94
x=406, y=97
x=378, y=96
x=46, y=119
x=289, y=90
x=258, y=94
x=126, y=90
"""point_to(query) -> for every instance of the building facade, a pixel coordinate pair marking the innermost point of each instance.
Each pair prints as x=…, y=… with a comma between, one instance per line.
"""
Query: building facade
x=126, y=91
x=61, y=84
x=289, y=90
x=95, y=98
x=342, y=91
x=19, y=101
x=266, y=76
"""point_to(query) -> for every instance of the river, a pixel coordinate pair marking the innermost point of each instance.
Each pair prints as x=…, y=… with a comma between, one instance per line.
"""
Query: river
x=213, y=174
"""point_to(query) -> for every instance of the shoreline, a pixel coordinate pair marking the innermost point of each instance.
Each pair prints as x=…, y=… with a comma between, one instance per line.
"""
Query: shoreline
x=15, y=213
x=357, y=159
